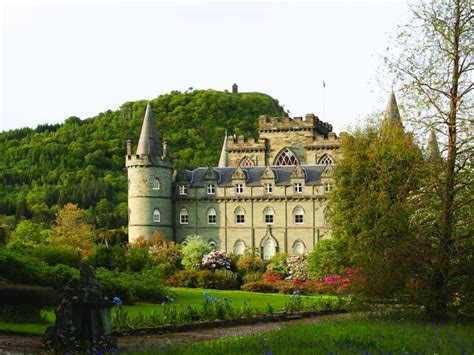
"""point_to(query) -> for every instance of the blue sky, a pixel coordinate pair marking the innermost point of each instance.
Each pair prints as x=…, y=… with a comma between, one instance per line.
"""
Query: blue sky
x=71, y=58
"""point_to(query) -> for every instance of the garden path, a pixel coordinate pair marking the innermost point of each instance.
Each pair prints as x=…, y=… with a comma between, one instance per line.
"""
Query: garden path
x=33, y=344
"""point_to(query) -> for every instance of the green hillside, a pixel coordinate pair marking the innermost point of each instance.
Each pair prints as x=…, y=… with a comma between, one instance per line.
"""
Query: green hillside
x=82, y=161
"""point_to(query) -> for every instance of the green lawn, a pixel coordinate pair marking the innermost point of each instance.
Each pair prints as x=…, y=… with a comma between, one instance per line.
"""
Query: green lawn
x=195, y=296
x=343, y=337
x=184, y=297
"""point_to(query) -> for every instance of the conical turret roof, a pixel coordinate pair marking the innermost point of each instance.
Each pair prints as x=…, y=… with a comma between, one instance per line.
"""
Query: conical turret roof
x=223, y=159
x=432, y=149
x=149, y=143
x=392, y=115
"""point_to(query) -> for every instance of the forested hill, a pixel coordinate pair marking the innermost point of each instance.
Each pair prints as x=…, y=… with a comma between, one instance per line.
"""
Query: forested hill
x=82, y=161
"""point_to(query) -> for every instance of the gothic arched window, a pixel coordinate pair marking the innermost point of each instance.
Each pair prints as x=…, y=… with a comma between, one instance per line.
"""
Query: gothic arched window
x=239, y=215
x=268, y=215
x=156, y=184
x=156, y=216
x=298, y=215
x=299, y=247
x=326, y=159
x=268, y=249
x=286, y=157
x=239, y=247
x=246, y=162
x=211, y=216
x=213, y=244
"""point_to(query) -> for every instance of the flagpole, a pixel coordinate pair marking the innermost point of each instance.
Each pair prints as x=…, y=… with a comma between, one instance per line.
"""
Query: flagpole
x=324, y=115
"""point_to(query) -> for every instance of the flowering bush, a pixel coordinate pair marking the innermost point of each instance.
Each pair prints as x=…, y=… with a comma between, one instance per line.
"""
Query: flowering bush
x=297, y=267
x=216, y=260
x=248, y=263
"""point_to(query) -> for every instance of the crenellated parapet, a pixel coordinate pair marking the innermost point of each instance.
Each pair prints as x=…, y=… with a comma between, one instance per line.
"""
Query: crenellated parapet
x=309, y=123
x=241, y=143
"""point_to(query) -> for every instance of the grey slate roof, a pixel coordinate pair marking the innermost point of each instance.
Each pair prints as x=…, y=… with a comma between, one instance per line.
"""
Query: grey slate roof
x=149, y=133
x=391, y=113
x=254, y=173
x=223, y=158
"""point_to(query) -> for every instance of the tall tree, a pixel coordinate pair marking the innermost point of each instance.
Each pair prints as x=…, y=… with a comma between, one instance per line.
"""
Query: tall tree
x=433, y=64
x=370, y=207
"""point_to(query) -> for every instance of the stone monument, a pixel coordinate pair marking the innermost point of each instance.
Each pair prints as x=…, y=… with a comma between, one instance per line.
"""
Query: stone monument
x=83, y=318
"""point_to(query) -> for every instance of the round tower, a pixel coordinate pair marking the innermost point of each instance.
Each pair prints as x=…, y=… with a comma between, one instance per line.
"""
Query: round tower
x=150, y=204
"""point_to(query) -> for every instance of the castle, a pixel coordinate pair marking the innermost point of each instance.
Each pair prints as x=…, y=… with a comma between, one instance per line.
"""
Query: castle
x=268, y=193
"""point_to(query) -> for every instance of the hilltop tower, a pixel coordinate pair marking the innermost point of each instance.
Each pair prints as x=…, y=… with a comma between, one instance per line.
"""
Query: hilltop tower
x=150, y=203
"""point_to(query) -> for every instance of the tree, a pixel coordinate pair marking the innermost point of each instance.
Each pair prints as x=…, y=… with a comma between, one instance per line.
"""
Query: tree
x=28, y=233
x=369, y=209
x=433, y=64
x=194, y=250
x=71, y=229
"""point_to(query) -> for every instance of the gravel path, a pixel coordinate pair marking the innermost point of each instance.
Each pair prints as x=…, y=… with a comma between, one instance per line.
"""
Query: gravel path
x=19, y=344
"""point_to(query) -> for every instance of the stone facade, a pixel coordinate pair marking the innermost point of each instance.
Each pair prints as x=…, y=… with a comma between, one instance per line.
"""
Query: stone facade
x=268, y=193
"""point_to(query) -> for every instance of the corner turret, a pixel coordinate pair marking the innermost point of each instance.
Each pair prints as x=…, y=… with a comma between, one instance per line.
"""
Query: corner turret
x=392, y=114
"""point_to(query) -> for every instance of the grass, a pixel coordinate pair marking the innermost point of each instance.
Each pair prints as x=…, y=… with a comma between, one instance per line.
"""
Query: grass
x=343, y=337
x=184, y=297
x=194, y=297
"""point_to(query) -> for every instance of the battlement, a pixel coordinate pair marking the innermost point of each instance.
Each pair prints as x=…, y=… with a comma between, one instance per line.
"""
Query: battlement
x=240, y=142
x=309, y=123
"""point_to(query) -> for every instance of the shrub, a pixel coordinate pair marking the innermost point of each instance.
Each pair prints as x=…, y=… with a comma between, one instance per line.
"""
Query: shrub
x=252, y=277
x=58, y=276
x=165, y=251
x=247, y=264
x=20, y=303
x=109, y=257
x=137, y=258
x=54, y=255
x=326, y=259
x=145, y=286
x=216, y=260
x=259, y=286
x=194, y=251
x=20, y=269
x=297, y=267
x=219, y=279
x=278, y=265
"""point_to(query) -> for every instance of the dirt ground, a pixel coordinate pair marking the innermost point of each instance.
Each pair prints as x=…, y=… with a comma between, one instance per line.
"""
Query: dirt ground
x=18, y=344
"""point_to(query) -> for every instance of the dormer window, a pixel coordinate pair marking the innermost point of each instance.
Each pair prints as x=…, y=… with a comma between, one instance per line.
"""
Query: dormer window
x=239, y=188
x=183, y=190
x=268, y=188
x=156, y=184
x=211, y=189
x=298, y=187
x=327, y=186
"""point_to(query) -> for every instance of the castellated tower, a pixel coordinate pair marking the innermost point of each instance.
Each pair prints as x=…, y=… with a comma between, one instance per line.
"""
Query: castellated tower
x=150, y=206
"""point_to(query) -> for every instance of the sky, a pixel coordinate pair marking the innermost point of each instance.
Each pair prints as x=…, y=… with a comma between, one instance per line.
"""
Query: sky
x=79, y=58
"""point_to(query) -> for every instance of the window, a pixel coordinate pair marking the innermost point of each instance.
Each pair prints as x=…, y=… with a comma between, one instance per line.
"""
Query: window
x=298, y=215
x=211, y=216
x=156, y=216
x=156, y=184
x=239, y=188
x=268, y=215
x=239, y=216
x=268, y=249
x=239, y=247
x=298, y=187
x=183, y=190
x=286, y=157
x=211, y=189
x=299, y=247
x=183, y=216
x=268, y=188
x=247, y=162
x=327, y=186
x=326, y=159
